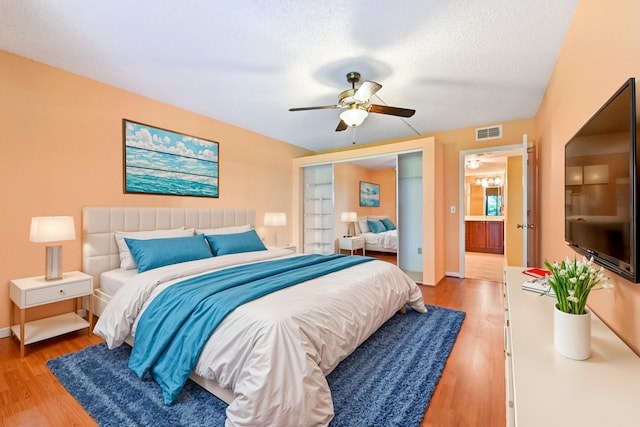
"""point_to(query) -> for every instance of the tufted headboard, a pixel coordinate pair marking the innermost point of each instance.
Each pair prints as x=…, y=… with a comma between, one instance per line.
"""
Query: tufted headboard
x=99, y=250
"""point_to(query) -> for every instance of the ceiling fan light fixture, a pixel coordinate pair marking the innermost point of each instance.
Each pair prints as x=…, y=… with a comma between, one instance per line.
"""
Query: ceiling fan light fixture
x=353, y=116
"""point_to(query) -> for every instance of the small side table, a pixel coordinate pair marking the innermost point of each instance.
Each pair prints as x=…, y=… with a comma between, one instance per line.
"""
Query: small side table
x=34, y=291
x=351, y=244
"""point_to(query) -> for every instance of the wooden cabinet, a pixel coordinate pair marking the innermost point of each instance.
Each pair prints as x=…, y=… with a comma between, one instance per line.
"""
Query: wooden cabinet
x=484, y=236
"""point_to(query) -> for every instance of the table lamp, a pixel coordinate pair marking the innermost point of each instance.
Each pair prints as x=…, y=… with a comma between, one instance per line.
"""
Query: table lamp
x=52, y=229
x=349, y=218
x=275, y=219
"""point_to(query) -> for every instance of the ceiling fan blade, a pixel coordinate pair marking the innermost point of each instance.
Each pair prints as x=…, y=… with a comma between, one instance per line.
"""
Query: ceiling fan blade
x=392, y=111
x=366, y=91
x=323, y=107
x=341, y=126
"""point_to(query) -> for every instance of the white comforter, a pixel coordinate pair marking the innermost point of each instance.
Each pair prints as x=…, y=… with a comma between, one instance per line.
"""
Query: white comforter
x=275, y=352
x=386, y=239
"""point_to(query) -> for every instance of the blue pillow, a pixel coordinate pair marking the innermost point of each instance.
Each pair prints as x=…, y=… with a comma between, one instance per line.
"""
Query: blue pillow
x=388, y=224
x=154, y=253
x=225, y=244
x=376, y=226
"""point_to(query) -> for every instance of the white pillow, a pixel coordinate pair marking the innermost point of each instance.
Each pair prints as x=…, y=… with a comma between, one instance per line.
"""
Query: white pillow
x=364, y=227
x=126, y=259
x=225, y=230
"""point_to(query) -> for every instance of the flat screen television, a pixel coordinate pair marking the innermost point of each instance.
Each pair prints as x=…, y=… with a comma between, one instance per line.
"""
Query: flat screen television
x=601, y=179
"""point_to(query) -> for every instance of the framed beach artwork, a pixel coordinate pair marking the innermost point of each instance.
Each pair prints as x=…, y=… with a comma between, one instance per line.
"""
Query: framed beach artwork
x=160, y=161
x=369, y=194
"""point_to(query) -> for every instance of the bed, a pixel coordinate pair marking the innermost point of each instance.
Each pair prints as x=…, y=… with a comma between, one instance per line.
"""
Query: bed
x=380, y=240
x=268, y=357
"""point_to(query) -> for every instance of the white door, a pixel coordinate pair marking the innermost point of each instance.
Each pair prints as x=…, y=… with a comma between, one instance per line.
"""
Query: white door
x=529, y=206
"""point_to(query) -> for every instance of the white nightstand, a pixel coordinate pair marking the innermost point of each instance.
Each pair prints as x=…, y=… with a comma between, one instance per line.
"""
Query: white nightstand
x=34, y=291
x=351, y=244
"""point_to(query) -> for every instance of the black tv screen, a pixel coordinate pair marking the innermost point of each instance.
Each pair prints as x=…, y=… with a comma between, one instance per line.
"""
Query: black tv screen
x=600, y=186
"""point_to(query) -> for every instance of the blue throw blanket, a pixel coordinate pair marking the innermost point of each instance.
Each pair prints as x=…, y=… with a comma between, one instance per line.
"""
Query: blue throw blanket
x=173, y=330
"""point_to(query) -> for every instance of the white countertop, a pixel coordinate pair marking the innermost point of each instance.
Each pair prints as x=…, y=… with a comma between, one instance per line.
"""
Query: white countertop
x=551, y=390
x=483, y=218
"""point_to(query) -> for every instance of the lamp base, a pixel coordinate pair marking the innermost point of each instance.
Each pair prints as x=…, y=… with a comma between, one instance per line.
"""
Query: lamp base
x=349, y=230
x=54, y=263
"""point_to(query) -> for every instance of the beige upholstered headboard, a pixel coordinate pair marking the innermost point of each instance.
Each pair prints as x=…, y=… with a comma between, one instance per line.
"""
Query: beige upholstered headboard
x=99, y=250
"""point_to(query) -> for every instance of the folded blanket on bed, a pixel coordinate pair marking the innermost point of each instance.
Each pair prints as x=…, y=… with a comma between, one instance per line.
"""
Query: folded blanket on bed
x=178, y=322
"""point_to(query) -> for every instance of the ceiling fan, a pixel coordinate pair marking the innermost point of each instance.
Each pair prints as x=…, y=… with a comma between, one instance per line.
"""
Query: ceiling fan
x=356, y=104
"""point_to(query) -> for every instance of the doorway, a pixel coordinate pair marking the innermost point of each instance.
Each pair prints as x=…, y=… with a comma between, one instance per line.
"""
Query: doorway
x=484, y=202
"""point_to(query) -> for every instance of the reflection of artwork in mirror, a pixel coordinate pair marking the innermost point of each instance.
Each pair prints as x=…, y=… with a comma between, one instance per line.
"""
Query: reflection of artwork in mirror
x=369, y=194
x=160, y=161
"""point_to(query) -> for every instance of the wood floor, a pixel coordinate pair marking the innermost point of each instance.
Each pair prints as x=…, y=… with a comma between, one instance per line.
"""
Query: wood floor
x=484, y=266
x=470, y=393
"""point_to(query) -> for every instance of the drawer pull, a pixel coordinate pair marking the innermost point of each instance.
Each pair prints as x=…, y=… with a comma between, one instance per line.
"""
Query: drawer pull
x=61, y=291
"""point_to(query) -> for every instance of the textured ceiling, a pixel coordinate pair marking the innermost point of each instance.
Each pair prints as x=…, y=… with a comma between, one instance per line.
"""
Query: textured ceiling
x=458, y=63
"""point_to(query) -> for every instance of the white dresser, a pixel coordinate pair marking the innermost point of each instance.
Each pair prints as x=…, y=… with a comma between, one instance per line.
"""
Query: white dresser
x=546, y=389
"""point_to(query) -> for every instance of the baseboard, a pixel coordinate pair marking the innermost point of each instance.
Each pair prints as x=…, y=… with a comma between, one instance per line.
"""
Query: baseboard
x=451, y=274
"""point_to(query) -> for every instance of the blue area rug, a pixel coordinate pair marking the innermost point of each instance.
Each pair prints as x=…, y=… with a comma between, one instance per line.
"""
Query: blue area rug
x=387, y=381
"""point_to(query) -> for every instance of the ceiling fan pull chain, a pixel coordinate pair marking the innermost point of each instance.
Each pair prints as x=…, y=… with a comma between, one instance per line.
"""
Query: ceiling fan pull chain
x=354, y=135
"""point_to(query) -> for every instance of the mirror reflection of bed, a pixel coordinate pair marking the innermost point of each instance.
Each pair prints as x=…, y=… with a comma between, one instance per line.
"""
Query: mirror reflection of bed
x=380, y=236
x=347, y=175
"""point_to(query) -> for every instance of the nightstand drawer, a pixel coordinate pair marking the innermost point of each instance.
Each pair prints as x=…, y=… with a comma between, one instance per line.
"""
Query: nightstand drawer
x=357, y=243
x=57, y=292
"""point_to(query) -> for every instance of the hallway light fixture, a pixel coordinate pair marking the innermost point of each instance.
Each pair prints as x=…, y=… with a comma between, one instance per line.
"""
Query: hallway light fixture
x=473, y=164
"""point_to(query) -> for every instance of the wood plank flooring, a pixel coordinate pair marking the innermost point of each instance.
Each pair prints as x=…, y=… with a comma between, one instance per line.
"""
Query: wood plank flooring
x=484, y=266
x=470, y=392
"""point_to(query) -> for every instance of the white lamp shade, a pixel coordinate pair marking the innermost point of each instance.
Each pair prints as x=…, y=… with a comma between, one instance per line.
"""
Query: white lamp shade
x=275, y=218
x=348, y=216
x=52, y=229
x=353, y=116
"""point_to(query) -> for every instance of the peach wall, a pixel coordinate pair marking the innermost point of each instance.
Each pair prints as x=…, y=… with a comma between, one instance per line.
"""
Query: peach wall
x=600, y=52
x=387, y=180
x=62, y=150
x=453, y=142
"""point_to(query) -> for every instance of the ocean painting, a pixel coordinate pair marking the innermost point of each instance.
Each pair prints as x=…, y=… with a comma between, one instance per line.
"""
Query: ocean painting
x=369, y=194
x=159, y=161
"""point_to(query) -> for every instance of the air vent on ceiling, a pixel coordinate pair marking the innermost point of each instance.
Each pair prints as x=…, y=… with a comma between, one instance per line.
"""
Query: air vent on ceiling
x=491, y=132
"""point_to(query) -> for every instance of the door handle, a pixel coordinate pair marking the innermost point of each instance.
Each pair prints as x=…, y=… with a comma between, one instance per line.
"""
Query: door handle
x=524, y=226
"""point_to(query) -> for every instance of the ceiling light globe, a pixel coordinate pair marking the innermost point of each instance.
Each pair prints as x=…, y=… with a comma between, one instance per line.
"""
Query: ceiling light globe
x=353, y=116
